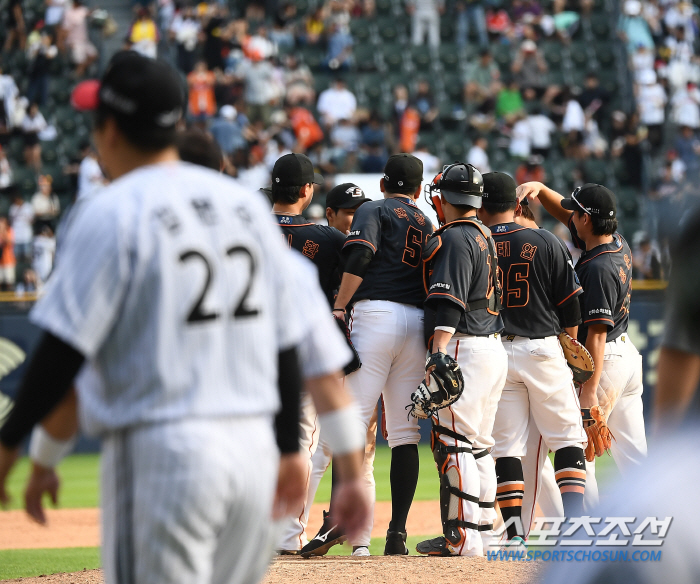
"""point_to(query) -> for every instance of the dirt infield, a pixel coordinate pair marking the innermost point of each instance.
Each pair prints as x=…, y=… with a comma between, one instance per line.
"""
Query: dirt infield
x=374, y=570
x=81, y=527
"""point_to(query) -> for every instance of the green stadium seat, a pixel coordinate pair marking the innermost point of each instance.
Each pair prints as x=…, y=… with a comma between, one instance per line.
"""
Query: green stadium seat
x=579, y=54
x=389, y=31
x=595, y=171
x=360, y=30
x=421, y=59
x=312, y=57
x=600, y=25
x=321, y=82
x=455, y=145
x=447, y=30
x=605, y=54
x=393, y=56
x=454, y=87
x=502, y=55
x=449, y=56
x=384, y=7
x=552, y=53
x=365, y=58
x=49, y=155
x=25, y=179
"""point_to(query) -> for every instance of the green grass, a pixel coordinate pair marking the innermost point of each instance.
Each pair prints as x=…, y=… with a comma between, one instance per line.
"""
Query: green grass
x=28, y=563
x=79, y=482
x=376, y=547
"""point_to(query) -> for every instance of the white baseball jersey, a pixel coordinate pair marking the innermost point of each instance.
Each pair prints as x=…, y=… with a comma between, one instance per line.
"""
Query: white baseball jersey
x=175, y=285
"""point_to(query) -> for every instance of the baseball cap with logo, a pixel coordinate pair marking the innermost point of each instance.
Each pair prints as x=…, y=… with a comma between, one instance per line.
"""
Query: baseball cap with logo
x=139, y=91
x=345, y=196
x=294, y=170
x=592, y=199
x=498, y=188
x=402, y=172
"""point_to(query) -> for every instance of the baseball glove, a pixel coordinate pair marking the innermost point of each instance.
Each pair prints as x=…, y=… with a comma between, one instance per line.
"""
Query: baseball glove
x=599, y=435
x=578, y=358
x=443, y=385
x=355, y=363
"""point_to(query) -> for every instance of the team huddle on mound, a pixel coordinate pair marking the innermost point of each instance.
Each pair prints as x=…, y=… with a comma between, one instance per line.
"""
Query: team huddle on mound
x=526, y=353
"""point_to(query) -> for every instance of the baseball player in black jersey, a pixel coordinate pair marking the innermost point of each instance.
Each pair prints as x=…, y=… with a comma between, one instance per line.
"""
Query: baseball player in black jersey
x=462, y=320
x=540, y=299
x=383, y=285
x=605, y=272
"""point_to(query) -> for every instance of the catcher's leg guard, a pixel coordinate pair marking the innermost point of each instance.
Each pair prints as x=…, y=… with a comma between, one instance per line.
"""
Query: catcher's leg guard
x=487, y=497
x=459, y=509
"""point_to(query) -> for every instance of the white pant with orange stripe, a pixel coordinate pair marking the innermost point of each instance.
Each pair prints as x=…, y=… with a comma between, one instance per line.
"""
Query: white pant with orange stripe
x=484, y=366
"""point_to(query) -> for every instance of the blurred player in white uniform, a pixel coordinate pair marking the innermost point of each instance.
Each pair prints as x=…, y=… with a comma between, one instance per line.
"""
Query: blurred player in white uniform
x=174, y=301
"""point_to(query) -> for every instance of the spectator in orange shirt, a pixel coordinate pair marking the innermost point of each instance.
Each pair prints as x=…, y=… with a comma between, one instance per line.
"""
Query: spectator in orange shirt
x=201, y=84
x=8, y=264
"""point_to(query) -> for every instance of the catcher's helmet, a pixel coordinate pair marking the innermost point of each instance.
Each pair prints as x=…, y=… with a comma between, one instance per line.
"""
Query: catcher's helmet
x=460, y=184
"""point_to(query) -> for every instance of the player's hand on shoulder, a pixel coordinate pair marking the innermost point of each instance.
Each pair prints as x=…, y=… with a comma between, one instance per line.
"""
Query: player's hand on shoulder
x=291, y=485
x=42, y=480
x=528, y=190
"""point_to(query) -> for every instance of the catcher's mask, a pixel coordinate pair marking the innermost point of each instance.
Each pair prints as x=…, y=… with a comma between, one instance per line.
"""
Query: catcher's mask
x=459, y=184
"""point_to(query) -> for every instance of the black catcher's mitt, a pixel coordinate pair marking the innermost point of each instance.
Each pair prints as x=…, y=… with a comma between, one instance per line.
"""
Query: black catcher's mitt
x=355, y=364
x=442, y=387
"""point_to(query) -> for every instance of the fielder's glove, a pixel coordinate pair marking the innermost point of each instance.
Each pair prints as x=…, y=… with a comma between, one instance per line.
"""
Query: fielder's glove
x=442, y=387
x=355, y=363
x=578, y=358
x=599, y=435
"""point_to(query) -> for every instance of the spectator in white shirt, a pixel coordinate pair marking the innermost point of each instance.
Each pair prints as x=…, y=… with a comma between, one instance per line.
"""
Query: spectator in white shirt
x=651, y=100
x=642, y=60
x=336, y=103
x=521, y=138
x=686, y=106
x=478, y=157
x=90, y=176
x=5, y=170
x=32, y=125
x=21, y=215
x=425, y=18
x=45, y=203
x=574, y=118
x=541, y=128
x=431, y=163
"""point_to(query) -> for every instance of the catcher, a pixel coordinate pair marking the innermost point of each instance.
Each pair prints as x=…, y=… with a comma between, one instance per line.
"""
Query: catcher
x=463, y=326
x=540, y=298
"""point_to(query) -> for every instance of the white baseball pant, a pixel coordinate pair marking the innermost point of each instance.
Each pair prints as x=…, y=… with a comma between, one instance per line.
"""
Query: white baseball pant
x=185, y=502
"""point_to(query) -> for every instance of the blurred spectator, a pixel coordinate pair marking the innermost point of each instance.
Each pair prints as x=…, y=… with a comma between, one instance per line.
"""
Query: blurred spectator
x=652, y=14
x=541, y=129
x=345, y=136
x=425, y=19
x=44, y=251
x=651, y=101
x=8, y=264
x=629, y=150
x=54, y=13
x=424, y=102
x=184, y=30
x=336, y=103
x=258, y=74
x=314, y=27
x=143, y=35
x=509, y=102
x=679, y=44
x=90, y=176
x=28, y=283
x=40, y=56
x=373, y=133
x=282, y=34
x=83, y=52
x=21, y=216
x=256, y=173
x=5, y=170
x=470, y=16
x=17, y=30
x=593, y=97
x=685, y=105
x=646, y=258
x=305, y=127
x=663, y=197
x=339, y=55
x=682, y=15
x=32, y=125
x=431, y=163
x=531, y=170
x=409, y=127
x=642, y=60
x=677, y=166
x=299, y=82
x=400, y=104
x=9, y=93
x=227, y=131
x=688, y=148
x=529, y=69
x=520, y=137
x=632, y=28
x=213, y=28
x=566, y=22
x=593, y=141
x=574, y=118
x=45, y=202
x=477, y=155
x=482, y=79
x=201, y=85
x=562, y=232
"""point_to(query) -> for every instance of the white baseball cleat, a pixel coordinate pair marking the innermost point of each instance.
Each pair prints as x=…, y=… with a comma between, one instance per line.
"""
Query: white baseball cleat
x=361, y=552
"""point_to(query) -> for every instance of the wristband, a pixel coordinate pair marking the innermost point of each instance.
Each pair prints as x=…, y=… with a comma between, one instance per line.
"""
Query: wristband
x=342, y=430
x=45, y=450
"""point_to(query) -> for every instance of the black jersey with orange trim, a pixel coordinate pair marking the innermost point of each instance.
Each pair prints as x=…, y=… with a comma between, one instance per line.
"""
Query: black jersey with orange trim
x=605, y=273
x=537, y=277
x=394, y=229
x=460, y=272
x=320, y=243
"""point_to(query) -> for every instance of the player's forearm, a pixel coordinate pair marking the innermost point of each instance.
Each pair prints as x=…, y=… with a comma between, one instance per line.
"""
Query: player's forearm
x=289, y=382
x=328, y=392
x=678, y=375
x=62, y=422
x=440, y=341
x=348, y=286
x=551, y=201
x=595, y=343
x=572, y=331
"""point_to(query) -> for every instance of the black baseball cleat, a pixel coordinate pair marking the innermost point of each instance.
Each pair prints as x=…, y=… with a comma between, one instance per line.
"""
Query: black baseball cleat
x=328, y=536
x=395, y=543
x=433, y=547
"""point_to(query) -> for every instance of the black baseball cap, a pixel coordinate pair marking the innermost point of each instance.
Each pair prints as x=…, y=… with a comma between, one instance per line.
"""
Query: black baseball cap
x=499, y=188
x=294, y=170
x=345, y=196
x=403, y=171
x=595, y=200
x=144, y=92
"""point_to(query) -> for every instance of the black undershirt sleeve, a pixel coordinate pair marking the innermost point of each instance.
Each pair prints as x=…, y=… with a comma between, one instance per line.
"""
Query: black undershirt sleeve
x=357, y=259
x=289, y=384
x=570, y=313
x=447, y=313
x=48, y=379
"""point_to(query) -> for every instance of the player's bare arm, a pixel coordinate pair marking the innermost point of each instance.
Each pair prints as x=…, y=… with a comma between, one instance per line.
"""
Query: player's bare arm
x=550, y=199
x=348, y=286
x=595, y=343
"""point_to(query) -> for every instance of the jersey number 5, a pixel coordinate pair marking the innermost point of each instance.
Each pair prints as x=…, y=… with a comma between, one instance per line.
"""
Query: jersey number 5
x=197, y=313
x=517, y=286
x=414, y=246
